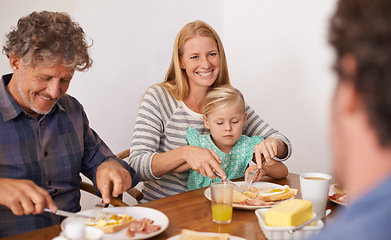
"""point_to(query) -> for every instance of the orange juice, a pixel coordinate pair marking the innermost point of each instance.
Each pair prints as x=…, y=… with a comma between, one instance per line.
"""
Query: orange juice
x=222, y=213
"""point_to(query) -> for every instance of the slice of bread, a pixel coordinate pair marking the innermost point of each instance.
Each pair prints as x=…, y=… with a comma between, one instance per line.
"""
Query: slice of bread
x=239, y=197
x=256, y=193
x=281, y=196
x=194, y=235
x=115, y=224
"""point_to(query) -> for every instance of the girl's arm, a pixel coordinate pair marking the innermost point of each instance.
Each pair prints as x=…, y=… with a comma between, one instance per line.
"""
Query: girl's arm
x=274, y=169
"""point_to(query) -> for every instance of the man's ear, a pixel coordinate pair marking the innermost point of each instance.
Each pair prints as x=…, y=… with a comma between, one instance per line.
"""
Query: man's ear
x=15, y=63
x=206, y=122
x=348, y=66
x=349, y=99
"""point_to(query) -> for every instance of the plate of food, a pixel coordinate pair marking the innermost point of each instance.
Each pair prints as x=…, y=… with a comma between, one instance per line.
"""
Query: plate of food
x=194, y=235
x=337, y=194
x=127, y=222
x=260, y=195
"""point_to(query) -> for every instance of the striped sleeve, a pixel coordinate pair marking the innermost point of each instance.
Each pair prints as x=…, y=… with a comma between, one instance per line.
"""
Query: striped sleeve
x=148, y=130
x=257, y=126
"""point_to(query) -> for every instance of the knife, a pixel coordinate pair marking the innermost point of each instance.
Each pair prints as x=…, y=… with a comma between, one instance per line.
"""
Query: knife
x=322, y=215
x=229, y=181
x=67, y=214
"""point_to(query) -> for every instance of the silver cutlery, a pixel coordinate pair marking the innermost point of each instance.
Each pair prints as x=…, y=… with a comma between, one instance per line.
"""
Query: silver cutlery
x=229, y=181
x=249, y=180
x=317, y=217
x=67, y=214
x=250, y=177
x=97, y=211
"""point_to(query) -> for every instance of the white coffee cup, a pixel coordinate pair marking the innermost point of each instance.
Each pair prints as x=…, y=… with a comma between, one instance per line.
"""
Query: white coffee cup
x=315, y=188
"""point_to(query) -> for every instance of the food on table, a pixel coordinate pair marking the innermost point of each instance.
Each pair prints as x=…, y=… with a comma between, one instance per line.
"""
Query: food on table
x=239, y=197
x=111, y=223
x=257, y=202
x=338, y=189
x=144, y=226
x=194, y=235
x=339, y=195
x=264, y=196
x=289, y=213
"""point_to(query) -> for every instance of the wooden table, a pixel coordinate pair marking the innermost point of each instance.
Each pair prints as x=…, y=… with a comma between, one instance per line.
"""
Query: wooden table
x=191, y=210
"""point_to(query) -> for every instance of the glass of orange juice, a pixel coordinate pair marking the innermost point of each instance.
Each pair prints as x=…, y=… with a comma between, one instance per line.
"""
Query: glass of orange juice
x=222, y=195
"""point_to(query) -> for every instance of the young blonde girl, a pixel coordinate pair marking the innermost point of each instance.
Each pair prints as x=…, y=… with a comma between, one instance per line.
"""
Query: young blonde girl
x=225, y=116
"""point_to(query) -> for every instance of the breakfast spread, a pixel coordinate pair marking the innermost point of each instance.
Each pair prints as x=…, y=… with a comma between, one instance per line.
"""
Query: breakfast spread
x=111, y=223
x=289, y=213
x=115, y=222
x=264, y=196
x=144, y=226
x=194, y=235
x=339, y=196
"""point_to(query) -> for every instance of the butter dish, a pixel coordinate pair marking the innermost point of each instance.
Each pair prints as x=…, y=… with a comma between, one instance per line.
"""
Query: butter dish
x=281, y=233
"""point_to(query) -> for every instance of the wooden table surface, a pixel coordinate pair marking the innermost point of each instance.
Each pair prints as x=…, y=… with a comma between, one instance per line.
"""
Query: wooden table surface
x=192, y=210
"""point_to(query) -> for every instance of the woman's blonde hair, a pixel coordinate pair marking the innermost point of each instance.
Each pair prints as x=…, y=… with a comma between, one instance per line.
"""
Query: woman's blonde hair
x=222, y=97
x=176, y=80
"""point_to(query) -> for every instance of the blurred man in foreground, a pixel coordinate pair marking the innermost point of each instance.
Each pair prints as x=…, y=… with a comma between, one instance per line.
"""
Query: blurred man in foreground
x=45, y=138
x=361, y=118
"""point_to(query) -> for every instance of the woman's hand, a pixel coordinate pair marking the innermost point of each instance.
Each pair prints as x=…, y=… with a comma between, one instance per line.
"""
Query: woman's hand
x=268, y=149
x=202, y=160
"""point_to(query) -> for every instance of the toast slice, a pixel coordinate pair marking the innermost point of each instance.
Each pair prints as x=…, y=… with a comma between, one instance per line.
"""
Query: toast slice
x=194, y=235
x=114, y=224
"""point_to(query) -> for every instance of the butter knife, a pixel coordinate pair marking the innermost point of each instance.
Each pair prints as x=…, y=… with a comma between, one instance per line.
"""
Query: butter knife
x=229, y=181
x=317, y=217
x=67, y=214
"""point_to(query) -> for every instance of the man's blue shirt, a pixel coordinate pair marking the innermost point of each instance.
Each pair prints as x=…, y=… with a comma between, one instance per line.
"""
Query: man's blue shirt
x=51, y=152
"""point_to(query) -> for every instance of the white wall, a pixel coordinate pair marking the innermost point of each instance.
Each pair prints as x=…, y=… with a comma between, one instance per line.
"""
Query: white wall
x=277, y=53
x=279, y=57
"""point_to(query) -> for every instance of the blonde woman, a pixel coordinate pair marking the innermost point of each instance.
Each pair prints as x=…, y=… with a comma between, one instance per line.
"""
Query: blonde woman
x=158, y=150
x=225, y=116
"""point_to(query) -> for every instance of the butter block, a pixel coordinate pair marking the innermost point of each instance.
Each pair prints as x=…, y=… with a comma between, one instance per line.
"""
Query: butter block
x=289, y=213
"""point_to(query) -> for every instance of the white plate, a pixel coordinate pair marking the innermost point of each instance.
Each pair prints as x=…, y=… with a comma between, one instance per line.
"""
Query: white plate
x=254, y=184
x=176, y=237
x=158, y=217
x=332, y=192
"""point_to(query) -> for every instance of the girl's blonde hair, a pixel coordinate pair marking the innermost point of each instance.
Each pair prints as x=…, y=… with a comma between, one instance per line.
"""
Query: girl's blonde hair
x=176, y=80
x=222, y=97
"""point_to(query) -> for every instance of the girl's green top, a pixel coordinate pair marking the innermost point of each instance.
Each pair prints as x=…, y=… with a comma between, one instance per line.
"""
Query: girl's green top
x=234, y=163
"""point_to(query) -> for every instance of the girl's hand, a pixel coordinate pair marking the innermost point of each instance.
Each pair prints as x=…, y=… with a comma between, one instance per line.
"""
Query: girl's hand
x=268, y=149
x=258, y=175
x=274, y=169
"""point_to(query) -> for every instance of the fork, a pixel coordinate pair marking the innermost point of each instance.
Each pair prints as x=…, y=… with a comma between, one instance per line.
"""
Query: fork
x=250, y=177
x=249, y=180
x=97, y=212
